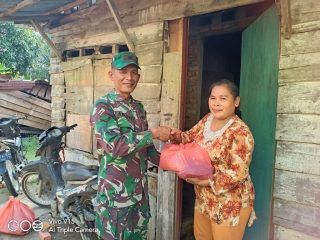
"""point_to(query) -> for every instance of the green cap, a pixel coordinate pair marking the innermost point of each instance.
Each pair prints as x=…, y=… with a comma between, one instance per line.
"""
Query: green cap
x=124, y=59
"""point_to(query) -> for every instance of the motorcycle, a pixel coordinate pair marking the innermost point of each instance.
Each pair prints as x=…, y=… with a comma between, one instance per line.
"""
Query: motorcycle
x=12, y=158
x=69, y=188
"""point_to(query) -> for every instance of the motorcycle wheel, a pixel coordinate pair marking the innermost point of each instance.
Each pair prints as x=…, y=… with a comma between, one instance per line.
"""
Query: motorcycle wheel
x=89, y=235
x=36, y=190
x=11, y=179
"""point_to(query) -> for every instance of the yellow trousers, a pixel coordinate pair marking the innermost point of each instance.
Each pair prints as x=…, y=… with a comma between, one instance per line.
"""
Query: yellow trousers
x=206, y=229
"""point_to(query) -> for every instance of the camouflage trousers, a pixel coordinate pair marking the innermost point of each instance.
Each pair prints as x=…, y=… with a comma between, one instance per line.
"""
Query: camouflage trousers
x=128, y=223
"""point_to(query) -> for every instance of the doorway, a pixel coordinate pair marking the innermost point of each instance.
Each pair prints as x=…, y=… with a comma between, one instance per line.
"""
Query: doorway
x=236, y=44
x=221, y=59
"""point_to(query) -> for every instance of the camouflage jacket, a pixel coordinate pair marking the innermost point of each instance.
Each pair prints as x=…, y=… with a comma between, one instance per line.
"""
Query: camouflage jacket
x=121, y=130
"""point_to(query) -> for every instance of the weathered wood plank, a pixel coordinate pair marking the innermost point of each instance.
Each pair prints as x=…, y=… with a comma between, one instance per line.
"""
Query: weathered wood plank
x=76, y=63
x=170, y=99
x=24, y=103
x=31, y=99
x=153, y=120
x=302, y=218
x=299, y=60
x=55, y=68
x=81, y=137
x=151, y=74
x=79, y=100
x=298, y=157
x=282, y=233
x=306, y=27
x=299, y=98
x=30, y=121
x=300, y=74
x=300, y=43
x=167, y=181
x=285, y=13
x=57, y=79
x=79, y=86
x=24, y=110
x=297, y=187
x=153, y=210
x=66, y=7
x=298, y=128
x=101, y=76
x=58, y=114
x=304, y=11
x=148, y=33
x=150, y=54
x=165, y=205
x=151, y=106
x=147, y=91
x=58, y=102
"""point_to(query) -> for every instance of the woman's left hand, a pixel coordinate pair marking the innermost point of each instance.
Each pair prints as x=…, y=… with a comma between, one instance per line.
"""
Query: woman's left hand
x=197, y=181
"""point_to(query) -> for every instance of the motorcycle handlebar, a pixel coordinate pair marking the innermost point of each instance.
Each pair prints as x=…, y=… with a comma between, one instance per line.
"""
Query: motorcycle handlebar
x=66, y=129
x=73, y=126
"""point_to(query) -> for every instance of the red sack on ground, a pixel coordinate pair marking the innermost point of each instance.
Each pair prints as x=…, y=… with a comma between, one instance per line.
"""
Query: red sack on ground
x=187, y=160
x=16, y=217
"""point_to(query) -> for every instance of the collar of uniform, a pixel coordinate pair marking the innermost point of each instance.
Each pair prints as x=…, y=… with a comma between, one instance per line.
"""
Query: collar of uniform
x=117, y=97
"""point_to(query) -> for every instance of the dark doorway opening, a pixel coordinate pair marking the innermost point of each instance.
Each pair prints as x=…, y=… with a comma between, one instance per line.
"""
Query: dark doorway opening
x=220, y=58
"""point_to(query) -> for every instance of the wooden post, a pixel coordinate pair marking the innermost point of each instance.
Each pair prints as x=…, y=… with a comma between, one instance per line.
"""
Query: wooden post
x=120, y=24
x=285, y=17
x=46, y=38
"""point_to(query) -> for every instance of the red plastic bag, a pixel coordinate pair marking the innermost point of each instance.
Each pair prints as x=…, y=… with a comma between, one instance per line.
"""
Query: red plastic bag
x=16, y=217
x=187, y=160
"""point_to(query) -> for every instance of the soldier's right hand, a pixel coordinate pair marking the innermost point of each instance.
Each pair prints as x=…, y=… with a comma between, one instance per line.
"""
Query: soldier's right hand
x=162, y=133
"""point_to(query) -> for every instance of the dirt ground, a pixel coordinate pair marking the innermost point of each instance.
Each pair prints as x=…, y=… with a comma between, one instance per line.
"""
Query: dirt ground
x=60, y=232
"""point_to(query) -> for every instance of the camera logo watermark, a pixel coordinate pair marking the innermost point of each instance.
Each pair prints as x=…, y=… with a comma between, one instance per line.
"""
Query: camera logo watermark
x=25, y=225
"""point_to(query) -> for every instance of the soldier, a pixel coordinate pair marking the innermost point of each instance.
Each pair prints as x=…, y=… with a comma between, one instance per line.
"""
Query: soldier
x=125, y=144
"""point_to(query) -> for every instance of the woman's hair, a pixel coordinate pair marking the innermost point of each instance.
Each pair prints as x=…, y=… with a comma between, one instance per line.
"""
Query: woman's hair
x=233, y=88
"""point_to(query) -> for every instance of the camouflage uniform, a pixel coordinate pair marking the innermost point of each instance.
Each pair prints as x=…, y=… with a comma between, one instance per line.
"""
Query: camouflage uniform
x=126, y=144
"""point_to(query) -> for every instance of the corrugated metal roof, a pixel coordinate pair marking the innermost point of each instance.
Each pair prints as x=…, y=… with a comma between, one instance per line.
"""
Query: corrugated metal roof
x=25, y=10
x=40, y=89
x=14, y=85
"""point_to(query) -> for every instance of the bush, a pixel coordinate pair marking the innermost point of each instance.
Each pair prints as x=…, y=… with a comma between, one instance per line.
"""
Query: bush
x=30, y=146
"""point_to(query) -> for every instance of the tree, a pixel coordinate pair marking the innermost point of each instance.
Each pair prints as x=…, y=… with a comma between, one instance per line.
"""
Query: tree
x=23, y=52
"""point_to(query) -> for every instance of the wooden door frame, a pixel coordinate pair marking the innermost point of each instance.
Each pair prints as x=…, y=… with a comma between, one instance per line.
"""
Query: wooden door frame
x=184, y=75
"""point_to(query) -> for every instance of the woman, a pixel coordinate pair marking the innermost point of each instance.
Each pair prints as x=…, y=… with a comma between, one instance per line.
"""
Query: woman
x=223, y=203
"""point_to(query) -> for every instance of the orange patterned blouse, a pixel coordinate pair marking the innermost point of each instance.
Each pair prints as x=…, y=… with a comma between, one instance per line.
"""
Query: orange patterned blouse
x=230, y=187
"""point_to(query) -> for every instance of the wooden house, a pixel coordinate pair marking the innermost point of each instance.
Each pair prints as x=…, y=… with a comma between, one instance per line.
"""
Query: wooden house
x=271, y=49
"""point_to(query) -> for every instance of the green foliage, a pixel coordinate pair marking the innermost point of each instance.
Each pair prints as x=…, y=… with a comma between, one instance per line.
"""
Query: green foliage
x=30, y=146
x=23, y=52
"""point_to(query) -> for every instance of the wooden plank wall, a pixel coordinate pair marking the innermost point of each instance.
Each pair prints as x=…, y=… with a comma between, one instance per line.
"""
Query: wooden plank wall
x=74, y=33
x=78, y=74
x=297, y=174
x=22, y=104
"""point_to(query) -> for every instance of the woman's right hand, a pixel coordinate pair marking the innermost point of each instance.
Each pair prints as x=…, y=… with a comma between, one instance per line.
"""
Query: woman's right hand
x=185, y=138
x=175, y=135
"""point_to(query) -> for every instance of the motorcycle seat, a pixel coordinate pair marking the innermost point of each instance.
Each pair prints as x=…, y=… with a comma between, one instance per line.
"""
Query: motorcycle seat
x=73, y=171
x=5, y=121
